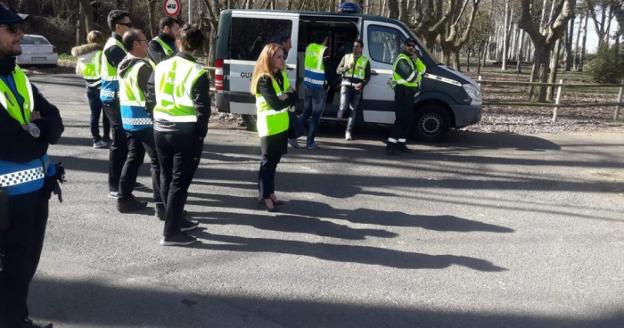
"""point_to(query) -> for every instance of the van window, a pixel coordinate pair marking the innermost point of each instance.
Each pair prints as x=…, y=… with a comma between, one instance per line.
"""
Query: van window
x=249, y=35
x=384, y=43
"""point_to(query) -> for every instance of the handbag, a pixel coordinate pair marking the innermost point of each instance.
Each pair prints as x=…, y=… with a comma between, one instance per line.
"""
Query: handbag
x=295, y=128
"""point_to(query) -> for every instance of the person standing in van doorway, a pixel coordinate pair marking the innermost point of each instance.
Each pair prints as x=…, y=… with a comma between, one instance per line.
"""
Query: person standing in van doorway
x=315, y=86
x=270, y=85
x=114, y=52
x=355, y=71
x=407, y=73
x=163, y=46
x=178, y=93
x=88, y=67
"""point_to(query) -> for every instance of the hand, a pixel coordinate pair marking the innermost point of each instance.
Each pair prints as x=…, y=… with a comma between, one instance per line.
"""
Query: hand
x=282, y=97
x=359, y=87
x=35, y=115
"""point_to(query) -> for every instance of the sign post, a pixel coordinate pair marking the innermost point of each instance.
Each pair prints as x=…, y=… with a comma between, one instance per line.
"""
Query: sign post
x=171, y=7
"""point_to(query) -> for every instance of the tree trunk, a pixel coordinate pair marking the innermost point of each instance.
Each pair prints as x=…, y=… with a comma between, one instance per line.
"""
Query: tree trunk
x=554, y=67
x=569, y=40
x=151, y=16
x=576, y=46
x=467, y=60
x=456, y=64
x=80, y=26
x=584, y=47
x=505, y=37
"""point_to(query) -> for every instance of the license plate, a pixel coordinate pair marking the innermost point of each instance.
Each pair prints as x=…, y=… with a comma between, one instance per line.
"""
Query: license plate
x=39, y=58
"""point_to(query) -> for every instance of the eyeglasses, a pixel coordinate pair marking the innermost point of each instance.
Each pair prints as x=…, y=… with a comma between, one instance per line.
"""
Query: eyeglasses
x=129, y=24
x=15, y=28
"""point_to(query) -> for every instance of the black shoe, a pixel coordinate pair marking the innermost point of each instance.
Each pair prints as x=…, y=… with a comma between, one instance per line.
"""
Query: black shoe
x=180, y=239
x=161, y=212
x=140, y=186
x=293, y=143
x=403, y=148
x=275, y=203
x=30, y=324
x=129, y=204
x=392, y=152
x=188, y=225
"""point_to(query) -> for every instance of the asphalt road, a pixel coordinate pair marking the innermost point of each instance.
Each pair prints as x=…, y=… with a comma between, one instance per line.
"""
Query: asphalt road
x=484, y=230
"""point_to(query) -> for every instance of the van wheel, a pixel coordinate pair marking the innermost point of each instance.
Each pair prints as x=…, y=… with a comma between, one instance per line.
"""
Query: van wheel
x=431, y=123
x=250, y=122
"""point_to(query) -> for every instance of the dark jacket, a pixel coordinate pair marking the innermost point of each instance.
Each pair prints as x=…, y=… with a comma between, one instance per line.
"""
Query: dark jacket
x=200, y=95
x=405, y=70
x=17, y=144
x=265, y=88
x=114, y=55
x=156, y=51
x=145, y=72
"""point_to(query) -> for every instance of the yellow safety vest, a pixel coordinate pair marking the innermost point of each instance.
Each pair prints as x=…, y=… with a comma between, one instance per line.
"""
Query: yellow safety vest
x=174, y=79
x=359, y=70
x=134, y=116
x=314, y=73
x=270, y=120
x=9, y=101
x=110, y=85
x=417, y=68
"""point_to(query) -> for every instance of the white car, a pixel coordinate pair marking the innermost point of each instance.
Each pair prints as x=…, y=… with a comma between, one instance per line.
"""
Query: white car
x=37, y=50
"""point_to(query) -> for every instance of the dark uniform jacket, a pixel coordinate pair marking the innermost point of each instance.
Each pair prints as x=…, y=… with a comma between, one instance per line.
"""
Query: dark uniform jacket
x=156, y=51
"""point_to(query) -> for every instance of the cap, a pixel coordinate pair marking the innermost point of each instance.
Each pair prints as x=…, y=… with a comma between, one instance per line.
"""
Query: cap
x=409, y=40
x=7, y=17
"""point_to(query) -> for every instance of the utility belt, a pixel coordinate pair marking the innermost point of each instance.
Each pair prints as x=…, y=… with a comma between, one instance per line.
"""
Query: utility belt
x=350, y=83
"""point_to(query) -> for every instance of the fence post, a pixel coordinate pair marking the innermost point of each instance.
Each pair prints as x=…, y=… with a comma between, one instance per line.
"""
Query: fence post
x=616, y=114
x=557, y=101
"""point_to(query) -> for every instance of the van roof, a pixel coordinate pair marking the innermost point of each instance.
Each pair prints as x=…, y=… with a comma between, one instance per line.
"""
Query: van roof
x=319, y=13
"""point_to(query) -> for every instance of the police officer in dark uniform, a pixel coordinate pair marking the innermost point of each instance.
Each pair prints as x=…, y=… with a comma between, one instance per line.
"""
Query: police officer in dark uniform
x=163, y=46
x=28, y=124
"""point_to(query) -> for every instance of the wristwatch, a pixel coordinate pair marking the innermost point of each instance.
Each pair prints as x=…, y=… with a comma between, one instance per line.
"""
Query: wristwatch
x=33, y=129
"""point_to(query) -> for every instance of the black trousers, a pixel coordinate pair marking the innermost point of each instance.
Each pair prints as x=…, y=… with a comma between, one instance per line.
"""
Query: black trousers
x=272, y=149
x=119, y=147
x=404, y=113
x=179, y=155
x=95, y=105
x=20, y=249
x=139, y=143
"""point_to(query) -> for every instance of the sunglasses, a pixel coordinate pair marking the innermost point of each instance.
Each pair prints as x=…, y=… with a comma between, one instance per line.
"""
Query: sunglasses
x=15, y=28
x=126, y=24
x=411, y=45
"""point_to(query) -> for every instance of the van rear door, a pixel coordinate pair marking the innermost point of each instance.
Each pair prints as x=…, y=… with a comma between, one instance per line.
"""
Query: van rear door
x=382, y=44
x=250, y=31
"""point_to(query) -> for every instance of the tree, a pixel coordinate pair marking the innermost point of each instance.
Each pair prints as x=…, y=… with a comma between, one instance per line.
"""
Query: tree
x=601, y=14
x=544, y=40
x=457, y=32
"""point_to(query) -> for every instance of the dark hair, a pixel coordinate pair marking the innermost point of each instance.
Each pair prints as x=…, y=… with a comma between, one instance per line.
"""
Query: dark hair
x=279, y=38
x=409, y=40
x=319, y=36
x=96, y=36
x=167, y=21
x=130, y=37
x=360, y=42
x=114, y=16
x=191, y=37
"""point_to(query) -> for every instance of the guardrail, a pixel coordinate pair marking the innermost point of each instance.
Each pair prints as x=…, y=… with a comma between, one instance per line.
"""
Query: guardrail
x=557, y=104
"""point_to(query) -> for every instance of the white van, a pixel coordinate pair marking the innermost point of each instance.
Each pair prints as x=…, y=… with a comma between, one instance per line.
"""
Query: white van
x=447, y=98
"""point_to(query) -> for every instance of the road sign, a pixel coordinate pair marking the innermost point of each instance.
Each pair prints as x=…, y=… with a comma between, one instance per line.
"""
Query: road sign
x=171, y=7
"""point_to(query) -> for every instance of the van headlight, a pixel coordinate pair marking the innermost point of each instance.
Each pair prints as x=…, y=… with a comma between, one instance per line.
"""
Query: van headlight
x=474, y=93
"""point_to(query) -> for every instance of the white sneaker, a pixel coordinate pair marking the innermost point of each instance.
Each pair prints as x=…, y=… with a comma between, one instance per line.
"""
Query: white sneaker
x=348, y=136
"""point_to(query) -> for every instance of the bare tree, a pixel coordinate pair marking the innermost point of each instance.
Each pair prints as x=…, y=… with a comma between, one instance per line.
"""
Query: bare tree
x=458, y=33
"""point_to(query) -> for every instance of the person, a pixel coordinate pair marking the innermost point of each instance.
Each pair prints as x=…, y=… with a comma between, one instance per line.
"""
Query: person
x=178, y=92
x=133, y=74
x=163, y=46
x=28, y=125
x=315, y=86
x=88, y=66
x=355, y=71
x=407, y=73
x=114, y=52
x=274, y=97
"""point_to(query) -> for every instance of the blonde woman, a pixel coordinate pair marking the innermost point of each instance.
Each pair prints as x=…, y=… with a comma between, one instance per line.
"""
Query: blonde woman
x=274, y=96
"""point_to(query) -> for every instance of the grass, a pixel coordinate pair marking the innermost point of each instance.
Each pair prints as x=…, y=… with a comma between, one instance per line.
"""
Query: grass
x=67, y=60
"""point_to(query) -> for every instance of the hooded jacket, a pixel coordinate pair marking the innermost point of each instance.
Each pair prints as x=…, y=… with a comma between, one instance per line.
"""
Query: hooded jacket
x=85, y=54
x=144, y=72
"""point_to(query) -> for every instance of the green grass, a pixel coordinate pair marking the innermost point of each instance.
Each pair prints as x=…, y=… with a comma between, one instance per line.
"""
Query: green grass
x=67, y=60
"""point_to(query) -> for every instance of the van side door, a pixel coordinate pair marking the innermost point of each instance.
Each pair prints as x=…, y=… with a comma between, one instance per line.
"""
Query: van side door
x=382, y=44
x=250, y=32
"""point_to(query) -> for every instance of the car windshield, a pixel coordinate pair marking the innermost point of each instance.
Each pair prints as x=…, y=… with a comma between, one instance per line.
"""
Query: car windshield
x=34, y=40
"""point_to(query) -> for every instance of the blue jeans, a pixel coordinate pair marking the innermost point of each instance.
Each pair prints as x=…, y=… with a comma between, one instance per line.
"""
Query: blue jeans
x=349, y=99
x=95, y=104
x=313, y=104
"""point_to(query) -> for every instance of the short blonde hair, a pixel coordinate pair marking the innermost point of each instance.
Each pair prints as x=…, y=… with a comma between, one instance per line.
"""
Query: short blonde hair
x=263, y=65
x=95, y=37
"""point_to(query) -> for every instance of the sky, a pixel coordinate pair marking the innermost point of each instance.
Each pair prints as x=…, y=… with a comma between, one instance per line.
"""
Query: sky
x=592, y=37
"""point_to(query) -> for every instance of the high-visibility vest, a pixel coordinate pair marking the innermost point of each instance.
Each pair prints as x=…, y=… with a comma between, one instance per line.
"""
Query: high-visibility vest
x=134, y=116
x=314, y=73
x=110, y=85
x=418, y=70
x=20, y=178
x=165, y=46
x=9, y=101
x=270, y=120
x=174, y=79
x=359, y=69
x=91, y=70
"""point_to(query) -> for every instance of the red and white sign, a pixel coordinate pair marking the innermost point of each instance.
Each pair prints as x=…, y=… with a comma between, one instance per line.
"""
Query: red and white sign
x=171, y=7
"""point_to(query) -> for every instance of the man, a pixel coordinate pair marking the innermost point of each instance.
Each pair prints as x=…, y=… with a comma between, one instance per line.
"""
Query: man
x=114, y=52
x=28, y=124
x=178, y=90
x=134, y=73
x=163, y=46
x=355, y=71
x=407, y=73
x=315, y=86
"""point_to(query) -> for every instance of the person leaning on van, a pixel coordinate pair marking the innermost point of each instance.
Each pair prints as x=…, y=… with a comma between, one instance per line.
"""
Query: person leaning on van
x=178, y=91
x=270, y=85
x=407, y=73
x=355, y=71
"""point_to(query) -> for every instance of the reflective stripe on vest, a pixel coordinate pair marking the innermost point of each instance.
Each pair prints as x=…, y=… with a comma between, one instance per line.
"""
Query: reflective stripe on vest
x=109, y=73
x=314, y=73
x=174, y=79
x=166, y=48
x=359, y=71
x=417, y=67
x=134, y=116
x=23, y=178
x=9, y=100
x=270, y=120
x=91, y=71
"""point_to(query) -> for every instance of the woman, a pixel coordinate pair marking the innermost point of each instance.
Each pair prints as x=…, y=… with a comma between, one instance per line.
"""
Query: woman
x=274, y=96
x=88, y=67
